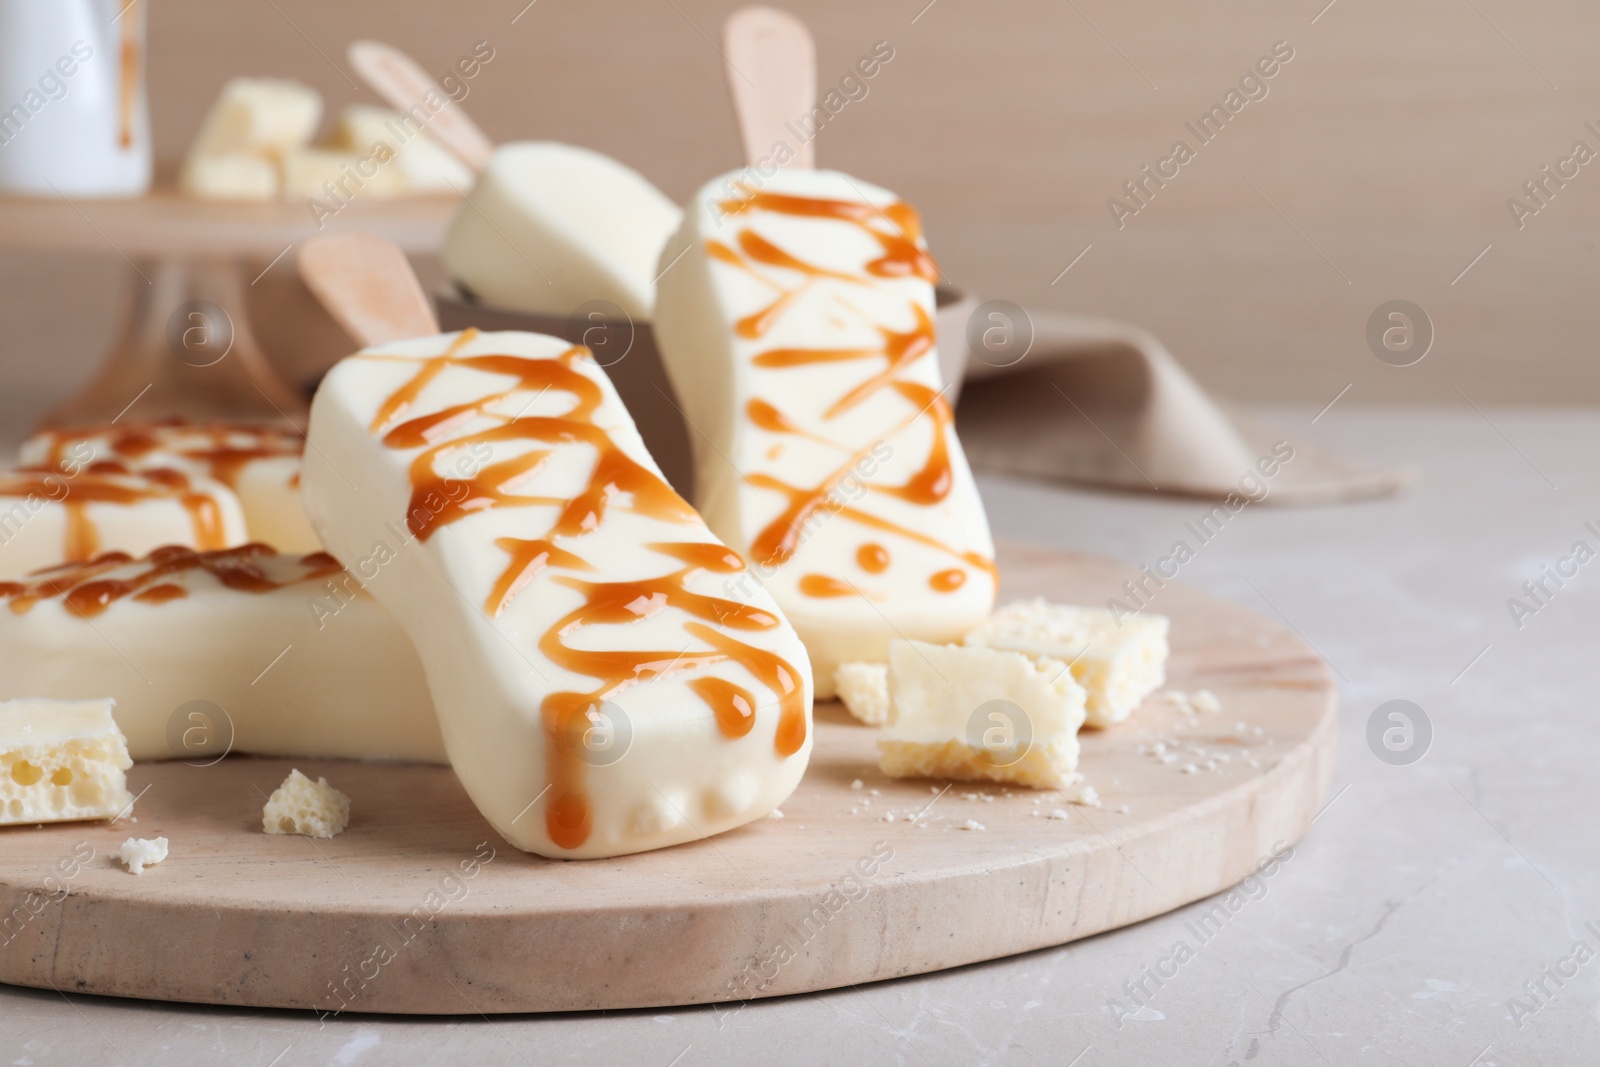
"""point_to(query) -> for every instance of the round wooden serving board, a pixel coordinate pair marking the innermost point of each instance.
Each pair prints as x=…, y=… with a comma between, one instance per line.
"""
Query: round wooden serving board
x=420, y=907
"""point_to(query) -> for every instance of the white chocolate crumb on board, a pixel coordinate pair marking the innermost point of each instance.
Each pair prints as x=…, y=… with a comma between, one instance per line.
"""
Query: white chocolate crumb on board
x=301, y=806
x=137, y=853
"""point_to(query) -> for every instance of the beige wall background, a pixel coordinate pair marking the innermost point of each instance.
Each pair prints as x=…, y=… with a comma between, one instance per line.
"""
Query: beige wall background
x=1377, y=167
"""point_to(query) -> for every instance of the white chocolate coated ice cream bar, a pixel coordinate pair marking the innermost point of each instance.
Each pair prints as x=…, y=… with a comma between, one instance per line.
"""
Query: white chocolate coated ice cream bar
x=598, y=689
x=795, y=316
x=241, y=650
x=260, y=463
x=50, y=516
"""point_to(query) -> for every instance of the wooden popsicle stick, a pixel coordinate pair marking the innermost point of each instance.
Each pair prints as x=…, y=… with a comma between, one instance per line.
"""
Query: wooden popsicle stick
x=368, y=286
x=772, y=76
x=397, y=78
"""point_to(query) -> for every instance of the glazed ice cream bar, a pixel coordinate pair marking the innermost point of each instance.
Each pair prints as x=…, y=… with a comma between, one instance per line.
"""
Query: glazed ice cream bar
x=795, y=318
x=242, y=650
x=73, y=513
x=549, y=227
x=599, y=690
x=261, y=464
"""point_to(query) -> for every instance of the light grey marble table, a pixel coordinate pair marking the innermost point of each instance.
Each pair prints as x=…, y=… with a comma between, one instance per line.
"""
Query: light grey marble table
x=1416, y=909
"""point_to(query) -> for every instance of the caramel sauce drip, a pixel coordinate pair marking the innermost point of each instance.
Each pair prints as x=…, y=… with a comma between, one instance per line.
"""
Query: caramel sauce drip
x=111, y=483
x=898, y=232
x=766, y=253
x=755, y=326
x=776, y=673
x=933, y=482
x=222, y=449
x=820, y=585
x=733, y=705
x=616, y=481
x=528, y=558
x=770, y=418
x=872, y=558
x=777, y=544
x=128, y=96
x=948, y=581
x=896, y=227
x=83, y=537
x=902, y=349
x=160, y=594
x=86, y=592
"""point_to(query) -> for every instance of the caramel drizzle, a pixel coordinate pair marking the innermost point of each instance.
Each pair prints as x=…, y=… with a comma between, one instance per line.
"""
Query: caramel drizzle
x=87, y=589
x=872, y=558
x=216, y=447
x=616, y=481
x=129, y=83
x=112, y=483
x=820, y=585
x=898, y=231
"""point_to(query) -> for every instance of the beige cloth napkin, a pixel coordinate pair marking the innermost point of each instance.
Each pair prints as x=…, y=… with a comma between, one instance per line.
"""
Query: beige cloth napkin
x=1099, y=402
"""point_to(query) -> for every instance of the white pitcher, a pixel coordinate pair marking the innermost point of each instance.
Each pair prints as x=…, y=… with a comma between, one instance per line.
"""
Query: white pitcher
x=73, y=114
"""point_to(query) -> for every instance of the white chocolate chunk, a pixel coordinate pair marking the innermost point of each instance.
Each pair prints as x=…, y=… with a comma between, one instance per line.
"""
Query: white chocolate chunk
x=137, y=853
x=252, y=125
x=50, y=516
x=549, y=227
x=980, y=714
x=425, y=165
x=864, y=690
x=1119, y=662
x=261, y=464
x=242, y=650
x=301, y=806
x=333, y=175
x=61, y=761
x=795, y=316
x=598, y=689
x=234, y=176
x=266, y=116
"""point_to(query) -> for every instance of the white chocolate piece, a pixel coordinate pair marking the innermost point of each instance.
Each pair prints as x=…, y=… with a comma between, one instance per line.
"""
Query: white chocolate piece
x=233, y=176
x=53, y=516
x=335, y=175
x=265, y=116
x=301, y=806
x=425, y=165
x=794, y=314
x=599, y=690
x=980, y=714
x=863, y=688
x=260, y=463
x=242, y=650
x=137, y=853
x=1119, y=662
x=549, y=227
x=61, y=761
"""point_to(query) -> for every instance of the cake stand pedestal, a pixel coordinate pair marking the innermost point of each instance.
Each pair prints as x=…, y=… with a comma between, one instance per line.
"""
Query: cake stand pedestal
x=185, y=344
